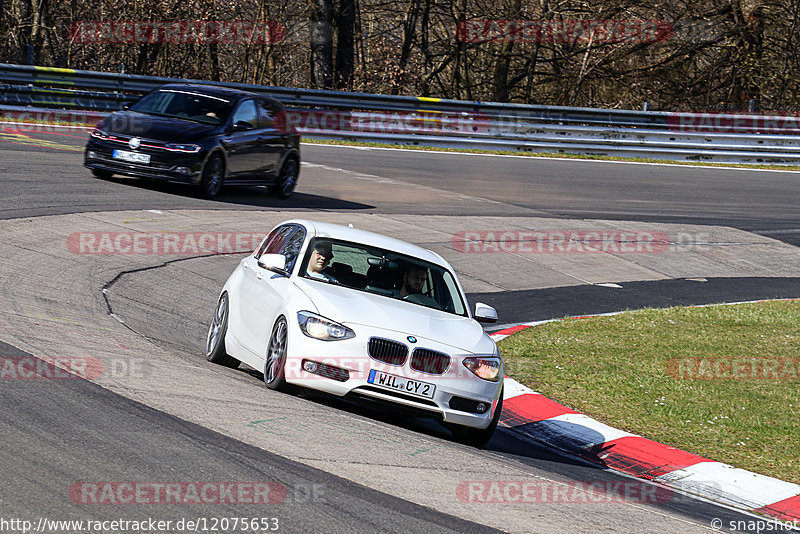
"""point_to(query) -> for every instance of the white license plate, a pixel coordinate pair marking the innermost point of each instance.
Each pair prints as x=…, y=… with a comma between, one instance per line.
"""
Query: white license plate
x=398, y=383
x=133, y=157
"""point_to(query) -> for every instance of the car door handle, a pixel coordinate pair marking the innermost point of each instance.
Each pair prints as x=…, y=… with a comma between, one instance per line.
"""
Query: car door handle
x=259, y=276
x=246, y=266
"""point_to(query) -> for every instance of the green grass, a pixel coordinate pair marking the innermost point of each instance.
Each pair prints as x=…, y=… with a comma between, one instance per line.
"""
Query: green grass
x=555, y=155
x=630, y=371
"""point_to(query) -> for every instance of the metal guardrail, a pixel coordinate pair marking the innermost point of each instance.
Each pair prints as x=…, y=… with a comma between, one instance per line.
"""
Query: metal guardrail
x=405, y=120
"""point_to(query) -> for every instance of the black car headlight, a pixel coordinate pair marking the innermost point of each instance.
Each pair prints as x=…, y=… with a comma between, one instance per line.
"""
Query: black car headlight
x=97, y=133
x=181, y=147
x=319, y=327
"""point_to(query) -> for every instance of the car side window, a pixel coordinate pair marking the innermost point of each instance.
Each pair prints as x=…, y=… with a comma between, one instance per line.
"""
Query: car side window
x=291, y=247
x=275, y=240
x=265, y=115
x=246, y=112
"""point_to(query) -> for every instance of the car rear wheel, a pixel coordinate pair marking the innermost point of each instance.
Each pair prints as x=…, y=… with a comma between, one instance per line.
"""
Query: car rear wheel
x=474, y=436
x=105, y=175
x=287, y=180
x=215, y=341
x=213, y=176
x=274, y=370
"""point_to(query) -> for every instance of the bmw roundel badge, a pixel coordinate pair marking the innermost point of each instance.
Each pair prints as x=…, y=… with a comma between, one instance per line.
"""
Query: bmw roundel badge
x=412, y=339
x=134, y=143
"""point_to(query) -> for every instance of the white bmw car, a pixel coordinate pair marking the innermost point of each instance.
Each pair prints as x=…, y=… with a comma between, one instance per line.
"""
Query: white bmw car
x=357, y=314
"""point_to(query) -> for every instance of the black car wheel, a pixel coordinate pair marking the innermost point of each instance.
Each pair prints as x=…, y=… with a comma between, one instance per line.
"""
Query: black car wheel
x=213, y=176
x=105, y=175
x=476, y=437
x=215, y=342
x=287, y=180
x=276, y=356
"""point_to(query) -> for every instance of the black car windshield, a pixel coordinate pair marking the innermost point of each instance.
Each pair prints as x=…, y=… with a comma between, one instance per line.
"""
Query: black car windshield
x=185, y=104
x=383, y=272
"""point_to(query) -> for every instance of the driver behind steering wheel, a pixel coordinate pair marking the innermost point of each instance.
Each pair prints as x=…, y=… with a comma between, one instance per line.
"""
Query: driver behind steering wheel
x=414, y=278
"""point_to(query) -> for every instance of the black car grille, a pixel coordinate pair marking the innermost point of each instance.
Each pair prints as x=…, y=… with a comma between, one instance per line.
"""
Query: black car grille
x=430, y=361
x=387, y=351
x=123, y=138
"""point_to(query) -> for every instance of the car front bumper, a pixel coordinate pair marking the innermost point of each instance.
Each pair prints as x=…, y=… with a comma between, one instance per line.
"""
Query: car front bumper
x=178, y=168
x=458, y=392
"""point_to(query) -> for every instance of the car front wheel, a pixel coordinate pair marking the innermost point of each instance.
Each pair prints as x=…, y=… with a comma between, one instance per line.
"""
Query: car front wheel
x=215, y=341
x=213, y=176
x=276, y=356
x=474, y=436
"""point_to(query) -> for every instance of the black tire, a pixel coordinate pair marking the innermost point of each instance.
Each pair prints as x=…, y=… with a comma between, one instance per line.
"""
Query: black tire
x=215, y=341
x=213, y=176
x=275, y=366
x=287, y=179
x=476, y=437
x=105, y=175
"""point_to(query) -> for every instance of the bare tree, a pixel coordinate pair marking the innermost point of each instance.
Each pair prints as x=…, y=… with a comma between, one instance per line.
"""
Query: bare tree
x=321, y=21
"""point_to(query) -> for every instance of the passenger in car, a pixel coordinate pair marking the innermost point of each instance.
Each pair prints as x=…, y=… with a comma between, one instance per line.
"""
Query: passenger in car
x=321, y=256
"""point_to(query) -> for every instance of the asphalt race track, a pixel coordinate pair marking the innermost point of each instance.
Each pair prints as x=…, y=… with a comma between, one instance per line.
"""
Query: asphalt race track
x=159, y=413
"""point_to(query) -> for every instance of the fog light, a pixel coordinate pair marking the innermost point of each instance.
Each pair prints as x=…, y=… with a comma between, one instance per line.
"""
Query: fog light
x=481, y=407
x=183, y=170
x=91, y=155
x=310, y=366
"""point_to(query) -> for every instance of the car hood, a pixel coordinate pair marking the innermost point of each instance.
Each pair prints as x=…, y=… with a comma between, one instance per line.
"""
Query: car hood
x=167, y=129
x=352, y=308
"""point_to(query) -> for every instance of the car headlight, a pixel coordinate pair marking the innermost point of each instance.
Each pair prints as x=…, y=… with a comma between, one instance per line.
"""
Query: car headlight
x=180, y=147
x=97, y=133
x=488, y=368
x=318, y=327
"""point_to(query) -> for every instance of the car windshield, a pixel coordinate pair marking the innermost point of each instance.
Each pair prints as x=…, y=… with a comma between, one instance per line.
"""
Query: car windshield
x=383, y=272
x=188, y=105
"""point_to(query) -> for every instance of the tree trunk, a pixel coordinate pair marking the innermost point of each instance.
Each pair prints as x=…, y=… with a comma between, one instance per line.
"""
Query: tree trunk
x=409, y=26
x=345, y=43
x=321, y=19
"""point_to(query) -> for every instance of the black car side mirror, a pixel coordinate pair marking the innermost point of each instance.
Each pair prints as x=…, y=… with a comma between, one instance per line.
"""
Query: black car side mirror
x=242, y=125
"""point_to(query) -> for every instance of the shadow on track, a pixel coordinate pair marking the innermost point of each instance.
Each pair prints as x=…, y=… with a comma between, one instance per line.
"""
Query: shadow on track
x=241, y=195
x=539, y=304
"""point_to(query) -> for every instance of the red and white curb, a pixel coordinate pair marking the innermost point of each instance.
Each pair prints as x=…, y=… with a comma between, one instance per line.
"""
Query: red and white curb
x=545, y=421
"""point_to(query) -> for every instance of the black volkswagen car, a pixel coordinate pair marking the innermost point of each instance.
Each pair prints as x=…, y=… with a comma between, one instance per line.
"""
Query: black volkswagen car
x=199, y=134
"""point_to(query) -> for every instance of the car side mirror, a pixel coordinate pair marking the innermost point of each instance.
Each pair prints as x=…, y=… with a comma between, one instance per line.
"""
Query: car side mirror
x=485, y=313
x=242, y=125
x=273, y=262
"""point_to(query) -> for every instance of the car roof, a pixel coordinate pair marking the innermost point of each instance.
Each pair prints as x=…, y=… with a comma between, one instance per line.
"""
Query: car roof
x=346, y=233
x=214, y=90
